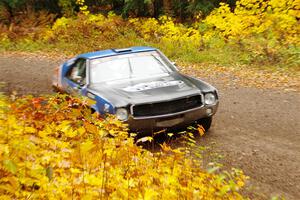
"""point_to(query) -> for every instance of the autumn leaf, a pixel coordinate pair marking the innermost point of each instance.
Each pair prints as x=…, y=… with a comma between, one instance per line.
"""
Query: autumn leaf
x=30, y=130
x=145, y=139
x=86, y=146
x=201, y=130
x=165, y=147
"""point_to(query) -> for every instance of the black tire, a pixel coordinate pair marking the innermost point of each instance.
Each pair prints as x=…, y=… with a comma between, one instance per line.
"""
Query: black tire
x=55, y=89
x=205, y=123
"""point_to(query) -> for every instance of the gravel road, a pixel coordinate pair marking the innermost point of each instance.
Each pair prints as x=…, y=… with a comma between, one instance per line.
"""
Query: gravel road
x=256, y=130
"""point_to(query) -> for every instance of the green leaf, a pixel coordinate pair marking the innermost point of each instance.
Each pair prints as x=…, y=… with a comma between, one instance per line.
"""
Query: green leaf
x=49, y=172
x=213, y=169
x=10, y=166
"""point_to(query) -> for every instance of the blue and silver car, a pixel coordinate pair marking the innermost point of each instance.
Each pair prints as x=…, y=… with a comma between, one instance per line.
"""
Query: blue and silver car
x=139, y=85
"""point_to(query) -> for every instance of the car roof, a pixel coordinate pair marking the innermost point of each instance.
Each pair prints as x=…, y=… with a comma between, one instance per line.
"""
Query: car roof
x=113, y=52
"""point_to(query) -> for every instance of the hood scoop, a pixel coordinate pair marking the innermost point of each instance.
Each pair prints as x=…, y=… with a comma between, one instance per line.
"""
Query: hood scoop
x=153, y=85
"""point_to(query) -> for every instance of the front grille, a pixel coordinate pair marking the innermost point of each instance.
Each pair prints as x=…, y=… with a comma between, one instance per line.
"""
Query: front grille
x=167, y=107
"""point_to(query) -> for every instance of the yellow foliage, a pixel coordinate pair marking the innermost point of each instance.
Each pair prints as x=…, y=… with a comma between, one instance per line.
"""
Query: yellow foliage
x=166, y=30
x=83, y=8
x=273, y=19
x=260, y=31
x=61, y=23
x=43, y=156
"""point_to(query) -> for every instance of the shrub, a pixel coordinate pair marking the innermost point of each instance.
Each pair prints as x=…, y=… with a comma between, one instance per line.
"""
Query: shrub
x=263, y=28
x=54, y=148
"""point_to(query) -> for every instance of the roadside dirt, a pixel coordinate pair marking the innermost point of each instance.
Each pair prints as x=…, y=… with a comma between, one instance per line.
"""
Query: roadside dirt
x=255, y=129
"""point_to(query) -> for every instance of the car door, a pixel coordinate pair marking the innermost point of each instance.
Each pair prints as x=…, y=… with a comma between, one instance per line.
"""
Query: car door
x=75, y=80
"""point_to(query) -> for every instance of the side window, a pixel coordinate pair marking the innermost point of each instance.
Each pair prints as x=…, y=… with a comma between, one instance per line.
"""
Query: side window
x=77, y=72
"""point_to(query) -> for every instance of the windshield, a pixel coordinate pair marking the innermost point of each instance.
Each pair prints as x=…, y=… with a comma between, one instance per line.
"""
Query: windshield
x=135, y=65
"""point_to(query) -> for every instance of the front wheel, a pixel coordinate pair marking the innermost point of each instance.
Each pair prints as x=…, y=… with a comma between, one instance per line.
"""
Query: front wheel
x=205, y=123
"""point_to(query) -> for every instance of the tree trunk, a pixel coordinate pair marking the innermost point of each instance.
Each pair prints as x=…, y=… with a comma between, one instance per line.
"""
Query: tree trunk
x=157, y=4
x=167, y=7
x=8, y=12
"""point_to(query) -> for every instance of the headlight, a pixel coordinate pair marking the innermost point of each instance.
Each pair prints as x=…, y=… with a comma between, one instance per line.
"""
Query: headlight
x=209, y=98
x=122, y=114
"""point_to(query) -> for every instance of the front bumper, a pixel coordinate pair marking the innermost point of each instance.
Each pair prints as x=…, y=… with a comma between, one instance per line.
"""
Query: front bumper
x=176, y=120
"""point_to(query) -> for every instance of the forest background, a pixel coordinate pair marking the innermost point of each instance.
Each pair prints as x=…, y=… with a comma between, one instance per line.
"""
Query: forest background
x=256, y=33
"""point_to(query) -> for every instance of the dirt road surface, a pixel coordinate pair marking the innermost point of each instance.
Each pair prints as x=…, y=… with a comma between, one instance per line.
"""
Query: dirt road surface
x=256, y=130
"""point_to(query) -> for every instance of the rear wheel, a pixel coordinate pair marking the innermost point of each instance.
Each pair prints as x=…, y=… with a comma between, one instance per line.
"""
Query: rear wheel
x=205, y=123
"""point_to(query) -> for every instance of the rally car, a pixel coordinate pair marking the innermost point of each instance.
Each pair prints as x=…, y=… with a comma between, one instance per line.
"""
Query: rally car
x=139, y=85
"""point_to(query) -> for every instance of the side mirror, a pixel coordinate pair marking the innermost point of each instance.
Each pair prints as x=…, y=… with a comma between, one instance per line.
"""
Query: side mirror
x=79, y=80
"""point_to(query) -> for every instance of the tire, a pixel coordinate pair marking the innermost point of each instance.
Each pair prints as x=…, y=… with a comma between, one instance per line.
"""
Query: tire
x=205, y=123
x=55, y=89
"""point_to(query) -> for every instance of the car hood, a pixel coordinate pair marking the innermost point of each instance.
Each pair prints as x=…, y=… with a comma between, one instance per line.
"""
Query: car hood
x=147, y=90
